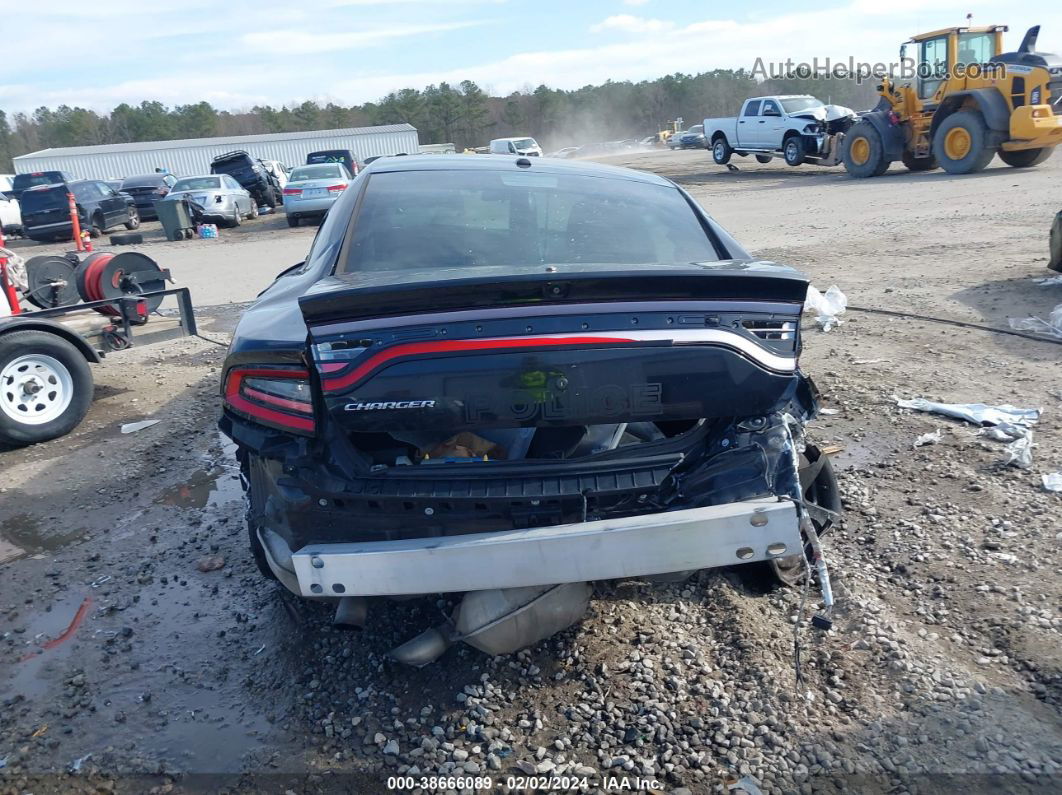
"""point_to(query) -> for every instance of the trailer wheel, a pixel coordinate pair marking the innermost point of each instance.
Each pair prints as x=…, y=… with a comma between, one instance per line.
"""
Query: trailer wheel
x=1026, y=157
x=864, y=152
x=45, y=387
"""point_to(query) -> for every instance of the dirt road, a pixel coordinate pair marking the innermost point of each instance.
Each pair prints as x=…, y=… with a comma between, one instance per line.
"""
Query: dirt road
x=124, y=664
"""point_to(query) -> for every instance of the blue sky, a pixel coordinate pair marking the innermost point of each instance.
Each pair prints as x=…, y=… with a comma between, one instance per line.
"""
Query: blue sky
x=236, y=54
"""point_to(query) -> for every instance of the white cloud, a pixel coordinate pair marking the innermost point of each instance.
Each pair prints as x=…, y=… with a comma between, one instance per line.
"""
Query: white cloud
x=631, y=24
x=298, y=42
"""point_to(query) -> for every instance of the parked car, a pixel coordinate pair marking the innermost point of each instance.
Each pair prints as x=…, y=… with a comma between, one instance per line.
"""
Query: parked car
x=312, y=190
x=10, y=216
x=22, y=182
x=476, y=383
x=252, y=176
x=6, y=185
x=344, y=156
x=565, y=152
x=693, y=138
x=146, y=190
x=675, y=140
x=222, y=199
x=797, y=128
x=46, y=210
x=526, y=147
x=278, y=171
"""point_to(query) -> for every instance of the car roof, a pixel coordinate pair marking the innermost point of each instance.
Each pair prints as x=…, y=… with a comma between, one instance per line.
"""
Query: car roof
x=508, y=163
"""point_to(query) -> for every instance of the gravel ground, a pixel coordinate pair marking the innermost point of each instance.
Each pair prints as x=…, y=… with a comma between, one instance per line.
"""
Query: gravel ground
x=188, y=672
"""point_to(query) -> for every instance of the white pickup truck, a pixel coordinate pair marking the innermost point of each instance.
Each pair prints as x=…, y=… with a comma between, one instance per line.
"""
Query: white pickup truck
x=798, y=128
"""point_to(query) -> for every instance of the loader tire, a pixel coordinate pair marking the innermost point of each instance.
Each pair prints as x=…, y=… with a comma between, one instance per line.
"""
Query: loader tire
x=864, y=152
x=919, y=163
x=721, y=151
x=1055, y=261
x=960, y=143
x=1026, y=157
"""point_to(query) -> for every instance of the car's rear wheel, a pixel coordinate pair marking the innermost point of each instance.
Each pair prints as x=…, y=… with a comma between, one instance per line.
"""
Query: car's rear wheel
x=254, y=209
x=818, y=485
x=252, y=477
x=721, y=151
x=293, y=220
x=45, y=387
x=96, y=228
x=237, y=216
x=134, y=219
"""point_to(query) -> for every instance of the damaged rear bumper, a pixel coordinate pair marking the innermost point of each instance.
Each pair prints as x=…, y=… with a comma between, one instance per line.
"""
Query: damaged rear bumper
x=696, y=538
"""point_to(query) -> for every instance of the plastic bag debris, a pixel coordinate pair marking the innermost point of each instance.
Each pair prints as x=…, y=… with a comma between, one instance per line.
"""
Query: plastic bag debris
x=1052, y=481
x=929, y=438
x=1004, y=432
x=977, y=413
x=826, y=307
x=1049, y=281
x=1052, y=327
x=133, y=427
x=1019, y=452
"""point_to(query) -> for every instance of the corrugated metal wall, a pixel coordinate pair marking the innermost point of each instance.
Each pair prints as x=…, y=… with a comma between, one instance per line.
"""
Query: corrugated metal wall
x=188, y=161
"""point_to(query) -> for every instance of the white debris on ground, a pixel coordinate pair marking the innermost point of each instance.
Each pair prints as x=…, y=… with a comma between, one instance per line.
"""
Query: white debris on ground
x=1052, y=327
x=1052, y=481
x=976, y=413
x=827, y=307
x=929, y=438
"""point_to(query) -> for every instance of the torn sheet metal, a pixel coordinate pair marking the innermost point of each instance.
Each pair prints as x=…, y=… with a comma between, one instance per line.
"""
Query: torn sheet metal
x=1052, y=481
x=1052, y=327
x=976, y=413
x=827, y=307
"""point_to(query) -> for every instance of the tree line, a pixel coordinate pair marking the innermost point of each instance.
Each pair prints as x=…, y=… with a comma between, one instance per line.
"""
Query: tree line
x=463, y=114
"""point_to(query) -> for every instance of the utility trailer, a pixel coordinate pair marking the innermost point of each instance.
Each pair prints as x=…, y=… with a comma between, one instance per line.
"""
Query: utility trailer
x=46, y=383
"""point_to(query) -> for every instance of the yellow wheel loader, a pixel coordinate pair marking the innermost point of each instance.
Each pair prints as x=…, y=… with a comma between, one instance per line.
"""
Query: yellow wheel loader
x=966, y=102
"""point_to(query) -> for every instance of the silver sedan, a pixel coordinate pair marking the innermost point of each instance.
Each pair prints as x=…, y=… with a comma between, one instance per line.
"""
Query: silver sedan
x=220, y=196
x=311, y=190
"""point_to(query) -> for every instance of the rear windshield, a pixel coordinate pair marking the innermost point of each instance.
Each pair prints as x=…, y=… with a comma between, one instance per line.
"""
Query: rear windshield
x=445, y=219
x=149, y=181
x=23, y=181
x=44, y=199
x=337, y=156
x=323, y=171
x=196, y=183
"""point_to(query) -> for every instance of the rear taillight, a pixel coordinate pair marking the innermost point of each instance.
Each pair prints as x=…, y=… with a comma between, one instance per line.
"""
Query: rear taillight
x=276, y=397
x=292, y=191
x=336, y=188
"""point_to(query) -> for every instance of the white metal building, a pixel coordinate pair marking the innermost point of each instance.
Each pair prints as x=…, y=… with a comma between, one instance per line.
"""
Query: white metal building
x=192, y=156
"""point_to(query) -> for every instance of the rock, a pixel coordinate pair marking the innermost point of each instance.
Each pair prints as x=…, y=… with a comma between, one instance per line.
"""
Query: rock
x=210, y=563
x=460, y=754
x=391, y=749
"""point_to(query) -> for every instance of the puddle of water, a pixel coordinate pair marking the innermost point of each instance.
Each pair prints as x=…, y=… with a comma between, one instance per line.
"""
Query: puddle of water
x=35, y=674
x=23, y=534
x=206, y=488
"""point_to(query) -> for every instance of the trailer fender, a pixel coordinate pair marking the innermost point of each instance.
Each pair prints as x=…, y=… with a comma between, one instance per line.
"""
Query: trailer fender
x=891, y=134
x=989, y=101
x=17, y=323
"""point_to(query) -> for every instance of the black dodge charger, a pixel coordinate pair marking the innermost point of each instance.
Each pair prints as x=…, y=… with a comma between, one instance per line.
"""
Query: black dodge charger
x=510, y=378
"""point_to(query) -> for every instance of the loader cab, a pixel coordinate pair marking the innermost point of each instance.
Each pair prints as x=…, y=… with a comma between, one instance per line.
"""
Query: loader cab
x=948, y=53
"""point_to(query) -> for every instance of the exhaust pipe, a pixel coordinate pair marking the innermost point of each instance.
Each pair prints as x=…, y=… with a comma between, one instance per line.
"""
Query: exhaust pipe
x=351, y=613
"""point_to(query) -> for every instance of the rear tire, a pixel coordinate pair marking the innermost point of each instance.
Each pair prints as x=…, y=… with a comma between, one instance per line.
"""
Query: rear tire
x=41, y=375
x=913, y=163
x=960, y=143
x=721, y=151
x=1027, y=157
x=254, y=209
x=764, y=158
x=237, y=217
x=96, y=228
x=134, y=220
x=251, y=476
x=864, y=152
x=293, y=220
x=793, y=150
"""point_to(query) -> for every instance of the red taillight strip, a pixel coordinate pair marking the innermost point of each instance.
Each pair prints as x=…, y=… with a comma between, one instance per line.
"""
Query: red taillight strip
x=748, y=348
x=378, y=360
x=240, y=403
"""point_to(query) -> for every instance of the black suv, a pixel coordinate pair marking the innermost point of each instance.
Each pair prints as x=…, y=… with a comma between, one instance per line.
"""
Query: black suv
x=23, y=182
x=146, y=190
x=46, y=213
x=344, y=156
x=251, y=174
